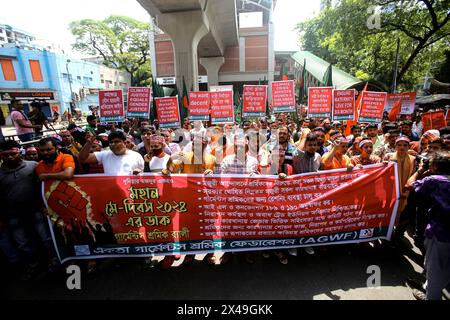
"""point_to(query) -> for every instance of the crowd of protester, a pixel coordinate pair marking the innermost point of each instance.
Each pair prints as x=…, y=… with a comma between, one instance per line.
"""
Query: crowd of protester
x=270, y=146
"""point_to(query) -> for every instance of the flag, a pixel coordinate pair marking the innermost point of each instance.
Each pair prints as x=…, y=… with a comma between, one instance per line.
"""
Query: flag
x=157, y=92
x=395, y=111
x=184, y=103
x=303, y=92
x=351, y=123
x=283, y=73
x=327, y=80
x=238, y=106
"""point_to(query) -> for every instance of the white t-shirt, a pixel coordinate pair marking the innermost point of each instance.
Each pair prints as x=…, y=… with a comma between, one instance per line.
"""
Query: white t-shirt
x=122, y=165
x=157, y=164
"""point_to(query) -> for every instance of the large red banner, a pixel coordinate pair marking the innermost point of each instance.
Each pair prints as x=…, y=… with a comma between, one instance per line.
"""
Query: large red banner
x=222, y=110
x=199, y=105
x=255, y=100
x=372, y=106
x=433, y=120
x=319, y=102
x=283, y=96
x=139, y=102
x=157, y=215
x=408, y=101
x=111, y=106
x=344, y=104
x=168, y=112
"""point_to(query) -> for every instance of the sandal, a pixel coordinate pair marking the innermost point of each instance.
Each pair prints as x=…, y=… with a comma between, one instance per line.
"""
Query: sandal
x=282, y=258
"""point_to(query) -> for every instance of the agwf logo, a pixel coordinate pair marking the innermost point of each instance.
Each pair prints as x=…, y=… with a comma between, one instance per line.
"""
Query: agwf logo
x=366, y=233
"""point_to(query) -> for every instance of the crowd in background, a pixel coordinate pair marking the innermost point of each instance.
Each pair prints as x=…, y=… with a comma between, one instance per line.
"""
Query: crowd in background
x=270, y=146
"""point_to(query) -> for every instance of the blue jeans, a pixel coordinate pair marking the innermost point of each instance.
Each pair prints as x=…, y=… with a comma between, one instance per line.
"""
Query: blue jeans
x=22, y=228
x=8, y=248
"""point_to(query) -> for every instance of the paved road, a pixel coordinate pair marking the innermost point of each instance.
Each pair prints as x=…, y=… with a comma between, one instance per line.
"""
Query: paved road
x=339, y=273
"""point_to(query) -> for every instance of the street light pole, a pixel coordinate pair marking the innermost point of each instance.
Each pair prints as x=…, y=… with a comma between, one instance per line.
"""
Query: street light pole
x=70, y=86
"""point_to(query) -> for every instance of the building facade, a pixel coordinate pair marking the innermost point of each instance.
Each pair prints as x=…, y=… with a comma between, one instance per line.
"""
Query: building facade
x=251, y=61
x=14, y=36
x=58, y=81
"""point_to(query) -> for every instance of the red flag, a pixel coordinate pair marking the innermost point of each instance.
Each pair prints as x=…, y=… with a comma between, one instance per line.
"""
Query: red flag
x=395, y=111
x=351, y=123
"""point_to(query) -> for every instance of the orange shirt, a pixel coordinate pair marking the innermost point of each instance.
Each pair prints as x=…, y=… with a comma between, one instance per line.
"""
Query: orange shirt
x=336, y=164
x=62, y=161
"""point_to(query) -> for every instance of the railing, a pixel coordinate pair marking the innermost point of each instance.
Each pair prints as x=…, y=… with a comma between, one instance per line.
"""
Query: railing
x=44, y=133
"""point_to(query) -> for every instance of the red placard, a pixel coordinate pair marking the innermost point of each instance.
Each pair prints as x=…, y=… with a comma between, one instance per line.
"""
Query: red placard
x=222, y=110
x=199, y=105
x=139, y=102
x=283, y=96
x=408, y=102
x=319, y=102
x=255, y=100
x=344, y=104
x=111, y=106
x=372, y=106
x=167, y=112
x=433, y=120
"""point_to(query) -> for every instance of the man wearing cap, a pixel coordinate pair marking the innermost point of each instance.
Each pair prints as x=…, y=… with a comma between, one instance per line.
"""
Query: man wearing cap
x=406, y=167
x=116, y=161
x=31, y=154
x=366, y=157
x=156, y=160
x=337, y=125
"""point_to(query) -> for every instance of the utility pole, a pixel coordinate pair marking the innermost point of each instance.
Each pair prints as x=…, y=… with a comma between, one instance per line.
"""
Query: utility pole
x=70, y=86
x=394, y=79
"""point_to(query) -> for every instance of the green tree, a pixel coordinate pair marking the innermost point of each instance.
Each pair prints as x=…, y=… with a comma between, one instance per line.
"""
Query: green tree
x=122, y=42
x=347, y=35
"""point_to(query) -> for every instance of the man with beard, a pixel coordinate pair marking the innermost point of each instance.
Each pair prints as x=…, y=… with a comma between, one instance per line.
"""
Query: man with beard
x=118, y=160
x=21, y=214
x=54, y=164
x=372, y=133
x=320, y=133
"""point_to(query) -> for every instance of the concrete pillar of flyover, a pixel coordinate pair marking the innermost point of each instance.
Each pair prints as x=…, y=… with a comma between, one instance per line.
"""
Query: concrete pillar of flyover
x=186, y=29
x=212, y=66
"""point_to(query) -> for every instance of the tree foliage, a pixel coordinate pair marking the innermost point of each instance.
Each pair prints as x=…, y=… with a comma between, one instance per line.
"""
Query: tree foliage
x=349, y=36
x=122, y=42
